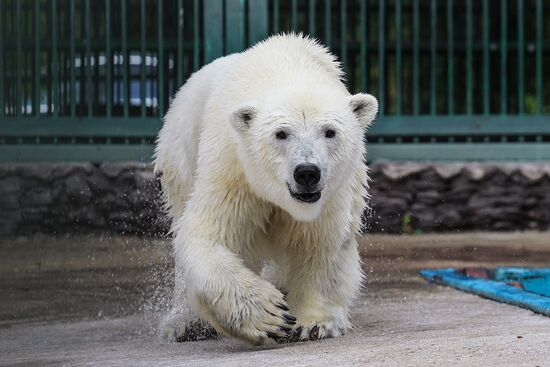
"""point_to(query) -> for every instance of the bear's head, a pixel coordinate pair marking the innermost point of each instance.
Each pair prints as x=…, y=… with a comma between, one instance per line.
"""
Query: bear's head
x=298, y=149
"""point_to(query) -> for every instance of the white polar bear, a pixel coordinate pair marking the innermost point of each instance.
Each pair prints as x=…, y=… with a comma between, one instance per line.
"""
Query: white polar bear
x=263, y=171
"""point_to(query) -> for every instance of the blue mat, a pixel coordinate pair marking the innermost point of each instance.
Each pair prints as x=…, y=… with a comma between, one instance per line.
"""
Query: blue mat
x=523, y=287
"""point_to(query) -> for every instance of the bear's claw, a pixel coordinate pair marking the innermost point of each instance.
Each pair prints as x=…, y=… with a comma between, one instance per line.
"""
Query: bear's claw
x=289, y=319
x=314, y=333
x=283, y=333
x=282, y=307
x=281, y=336
x=317, y=331
x=263, y=317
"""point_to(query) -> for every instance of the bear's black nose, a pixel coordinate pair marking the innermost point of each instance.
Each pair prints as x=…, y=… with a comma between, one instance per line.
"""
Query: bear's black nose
x=307, y=174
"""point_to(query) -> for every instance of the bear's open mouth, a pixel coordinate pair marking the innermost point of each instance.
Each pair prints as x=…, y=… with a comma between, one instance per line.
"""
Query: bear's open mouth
x=306, y=197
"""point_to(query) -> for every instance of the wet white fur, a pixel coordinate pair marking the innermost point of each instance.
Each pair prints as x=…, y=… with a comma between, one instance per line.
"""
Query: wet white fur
x=240, y=237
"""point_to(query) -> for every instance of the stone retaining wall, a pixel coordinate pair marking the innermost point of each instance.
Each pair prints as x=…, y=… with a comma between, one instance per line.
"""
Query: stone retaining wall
x=65, y=198
x=409, y=197
x=413, y=197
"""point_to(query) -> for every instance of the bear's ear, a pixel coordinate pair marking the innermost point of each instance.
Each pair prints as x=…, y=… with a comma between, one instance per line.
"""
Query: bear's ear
x=365, y=108
x=243, y=116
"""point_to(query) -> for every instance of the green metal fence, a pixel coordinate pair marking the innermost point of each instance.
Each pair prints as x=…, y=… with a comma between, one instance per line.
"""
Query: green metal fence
x=456, y=79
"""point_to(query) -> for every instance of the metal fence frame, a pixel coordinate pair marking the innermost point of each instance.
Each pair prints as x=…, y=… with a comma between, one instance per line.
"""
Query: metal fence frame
x=413, y=44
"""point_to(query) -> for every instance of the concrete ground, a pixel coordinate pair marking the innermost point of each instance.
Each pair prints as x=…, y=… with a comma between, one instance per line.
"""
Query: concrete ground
x=96, y=300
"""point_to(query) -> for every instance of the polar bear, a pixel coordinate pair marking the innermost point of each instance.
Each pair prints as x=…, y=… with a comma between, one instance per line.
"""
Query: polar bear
x=262, y=165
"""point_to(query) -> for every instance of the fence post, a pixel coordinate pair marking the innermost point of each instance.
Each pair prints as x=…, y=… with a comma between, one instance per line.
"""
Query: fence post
x=257, y=20
x=213, y=32
x=503, y=56
x=37, y=76
x=521, y=58
x=143, y=54
x=160, y=63
x=234, y=26
x=538, y=55
x=2, y=74
x=450, y=58
x=381, y=56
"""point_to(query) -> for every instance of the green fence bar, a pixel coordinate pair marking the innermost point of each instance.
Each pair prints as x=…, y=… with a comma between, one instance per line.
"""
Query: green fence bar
x=213, y=32
x=109, y=59
x=276, y=19
x=88, y=57
x=294, y=15
x=96, y=31
x=234, y=25
x=343, y=34
x=538, y=56
x=25, y=63
x=450, y=59
x=196, y=36
x=416, y=61
x=2, y=72
x=311, y=17
x=433, y=57
x=381, y=56
x=469, y=58
x=143, y=57
x=328, y=23
x=181, y=19
x=125, y=56
x=55, y=63
x=398, y=57
x=363, y=46
x=160, y=20
x=486, y=76
x=18, y=60
x=72, y=53
x=37, y=78
x=257, y=21
x=521, y=59
x=503, y=56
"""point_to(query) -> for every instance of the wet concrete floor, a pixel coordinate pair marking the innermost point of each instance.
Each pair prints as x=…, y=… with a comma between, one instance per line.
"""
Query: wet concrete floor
x=97, y=300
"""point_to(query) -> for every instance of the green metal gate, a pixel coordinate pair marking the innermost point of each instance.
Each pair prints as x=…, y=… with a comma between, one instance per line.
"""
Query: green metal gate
x=88, y=80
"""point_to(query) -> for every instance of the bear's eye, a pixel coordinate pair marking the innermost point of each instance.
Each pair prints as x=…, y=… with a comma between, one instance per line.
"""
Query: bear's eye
x=330, y=133
x=281, y=135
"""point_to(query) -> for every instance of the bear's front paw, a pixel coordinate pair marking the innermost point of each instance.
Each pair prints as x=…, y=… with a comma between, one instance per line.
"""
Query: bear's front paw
x=317, y=331
x=181, y=328
x=257, y=314
x=265, y=317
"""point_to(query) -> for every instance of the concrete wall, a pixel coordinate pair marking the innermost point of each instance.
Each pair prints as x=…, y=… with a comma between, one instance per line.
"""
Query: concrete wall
x=409, y=197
